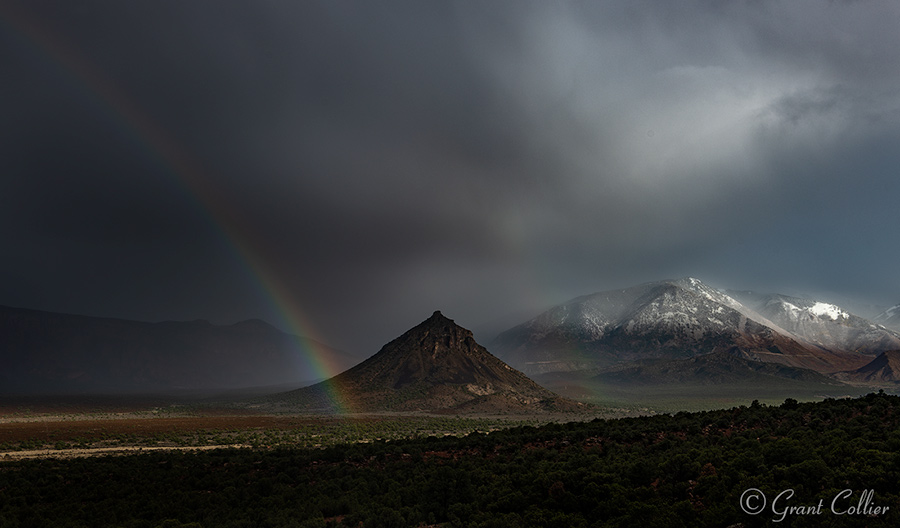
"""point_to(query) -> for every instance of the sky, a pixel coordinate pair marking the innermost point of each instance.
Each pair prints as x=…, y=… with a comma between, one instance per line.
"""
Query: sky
x=343, y=169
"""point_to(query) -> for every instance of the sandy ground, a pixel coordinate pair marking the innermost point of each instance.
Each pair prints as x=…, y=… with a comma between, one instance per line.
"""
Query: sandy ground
x=127, y=428
x=101, y=451
x=48, y=429
x=99, y=426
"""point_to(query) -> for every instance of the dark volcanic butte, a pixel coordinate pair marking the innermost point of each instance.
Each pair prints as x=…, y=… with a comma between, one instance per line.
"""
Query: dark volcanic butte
x=436, y=366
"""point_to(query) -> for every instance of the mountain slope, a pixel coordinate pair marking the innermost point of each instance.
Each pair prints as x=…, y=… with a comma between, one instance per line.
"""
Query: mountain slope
x=709, y=369
x=825, y=325
x=435, y=366
x=665, y=319
x=52, y=352
x=883, y=369
x=889, y=318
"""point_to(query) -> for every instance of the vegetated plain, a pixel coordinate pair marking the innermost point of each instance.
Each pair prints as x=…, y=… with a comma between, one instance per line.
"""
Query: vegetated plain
x=82, y=425
x=671, y=399
x=58, y=426
x=691, y=396
x=682, y=469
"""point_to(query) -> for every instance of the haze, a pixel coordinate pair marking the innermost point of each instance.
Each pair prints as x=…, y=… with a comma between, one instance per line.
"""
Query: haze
x=343, y=169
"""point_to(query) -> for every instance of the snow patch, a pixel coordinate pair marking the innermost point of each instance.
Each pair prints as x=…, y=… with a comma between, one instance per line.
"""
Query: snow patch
x=828, y=310
x=792, y=307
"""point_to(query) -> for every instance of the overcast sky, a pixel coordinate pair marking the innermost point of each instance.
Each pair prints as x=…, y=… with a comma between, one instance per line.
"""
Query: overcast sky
x=346, y=168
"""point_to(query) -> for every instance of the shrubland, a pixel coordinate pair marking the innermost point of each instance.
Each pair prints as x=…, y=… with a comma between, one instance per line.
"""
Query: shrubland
x=680, y=469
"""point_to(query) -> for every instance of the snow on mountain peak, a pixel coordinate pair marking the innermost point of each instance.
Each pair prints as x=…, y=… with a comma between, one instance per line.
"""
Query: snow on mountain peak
x=789, y=307
x=697, y=286
x=828, y=310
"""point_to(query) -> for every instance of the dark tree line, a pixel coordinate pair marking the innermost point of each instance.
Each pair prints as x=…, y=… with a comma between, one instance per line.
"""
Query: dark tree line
x=686, y=469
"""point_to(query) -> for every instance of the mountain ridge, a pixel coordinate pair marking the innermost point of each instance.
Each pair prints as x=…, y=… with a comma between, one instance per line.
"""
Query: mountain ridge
x=889, y=318
x=825, y=325
x=676, y=319
x=67, y=353
x=883, y=369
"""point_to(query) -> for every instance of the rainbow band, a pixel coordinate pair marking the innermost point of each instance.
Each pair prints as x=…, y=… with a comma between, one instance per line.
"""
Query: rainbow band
x=192, y=177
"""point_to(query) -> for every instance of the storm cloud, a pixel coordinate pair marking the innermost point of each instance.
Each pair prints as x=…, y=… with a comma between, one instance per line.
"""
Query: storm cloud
x=374, y=162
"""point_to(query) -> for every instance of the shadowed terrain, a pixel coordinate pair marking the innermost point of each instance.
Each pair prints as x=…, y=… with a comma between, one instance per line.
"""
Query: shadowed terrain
x=44, y=352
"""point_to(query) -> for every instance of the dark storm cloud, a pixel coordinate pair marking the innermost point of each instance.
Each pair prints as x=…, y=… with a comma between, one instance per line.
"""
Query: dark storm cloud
x=385, y=160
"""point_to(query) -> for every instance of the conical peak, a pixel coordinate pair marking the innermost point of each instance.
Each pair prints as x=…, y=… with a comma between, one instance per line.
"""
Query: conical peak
x=439, y=324
x=438, y=320
x=436, y=364
x=435, y=328
x=438, y=316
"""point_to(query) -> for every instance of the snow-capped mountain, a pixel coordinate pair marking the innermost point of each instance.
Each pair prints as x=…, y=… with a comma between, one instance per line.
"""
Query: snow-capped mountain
x=889, y=318
x=676, y=319
x=823, y=324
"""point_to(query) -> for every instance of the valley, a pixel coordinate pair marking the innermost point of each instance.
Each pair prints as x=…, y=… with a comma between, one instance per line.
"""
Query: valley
x=671, y=398
x=435, y=430
x=32, y=431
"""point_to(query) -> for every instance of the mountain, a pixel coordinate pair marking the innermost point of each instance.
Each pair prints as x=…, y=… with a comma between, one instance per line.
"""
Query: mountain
x=709, y=369
x=883, y=369
x=889, y=318
x=436, y=366
x=55, y=353
x=658, y=320
x=822, y=324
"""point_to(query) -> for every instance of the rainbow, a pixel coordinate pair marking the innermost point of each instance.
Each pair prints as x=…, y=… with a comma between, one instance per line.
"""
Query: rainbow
x=188, y=173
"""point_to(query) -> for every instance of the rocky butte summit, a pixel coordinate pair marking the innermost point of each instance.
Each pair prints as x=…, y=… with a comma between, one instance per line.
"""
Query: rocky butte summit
x=436, y=366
